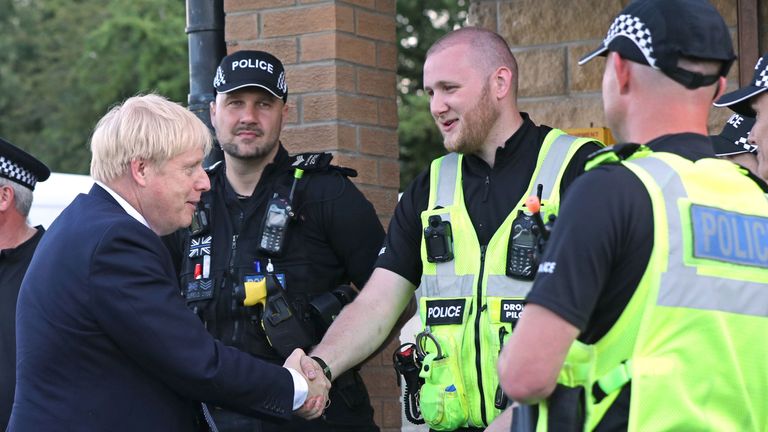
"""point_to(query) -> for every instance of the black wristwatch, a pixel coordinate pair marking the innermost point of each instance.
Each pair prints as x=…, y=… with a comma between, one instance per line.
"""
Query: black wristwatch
x=324, y=365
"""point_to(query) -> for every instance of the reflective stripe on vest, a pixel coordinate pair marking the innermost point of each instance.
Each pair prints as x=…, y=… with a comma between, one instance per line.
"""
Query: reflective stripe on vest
x=553, y=164
x=676, y=289
x=468, y=304
x=685, y=339
x=547, y=174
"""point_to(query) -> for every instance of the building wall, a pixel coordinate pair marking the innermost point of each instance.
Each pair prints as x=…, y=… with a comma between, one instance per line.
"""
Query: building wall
x=340, y=59
x=548, y=37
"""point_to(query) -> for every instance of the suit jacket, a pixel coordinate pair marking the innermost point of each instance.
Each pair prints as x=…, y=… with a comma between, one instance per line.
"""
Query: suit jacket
x=106, y=343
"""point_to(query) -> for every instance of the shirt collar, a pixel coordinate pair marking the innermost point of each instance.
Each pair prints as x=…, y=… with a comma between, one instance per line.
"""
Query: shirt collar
x=688, y=145
x=519, y=141
x=124, y=204
x=280, y=161
x=11, y=253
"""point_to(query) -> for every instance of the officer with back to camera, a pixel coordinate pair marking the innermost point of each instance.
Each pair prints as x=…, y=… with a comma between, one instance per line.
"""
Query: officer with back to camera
x=657, y=264
x=276, y=242
x=19, y=173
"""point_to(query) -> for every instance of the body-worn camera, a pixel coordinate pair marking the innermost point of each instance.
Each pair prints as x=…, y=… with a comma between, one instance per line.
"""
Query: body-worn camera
x=438, y=239
x=199, y=220
x=521, y=252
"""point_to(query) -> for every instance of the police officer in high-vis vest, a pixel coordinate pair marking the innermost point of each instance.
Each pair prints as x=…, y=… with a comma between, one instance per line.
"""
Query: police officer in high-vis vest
x=276, y=242
x=651, y=296
x=462, y=234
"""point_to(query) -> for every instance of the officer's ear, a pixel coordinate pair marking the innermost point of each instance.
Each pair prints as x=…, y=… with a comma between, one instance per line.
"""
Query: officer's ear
x=621, y=70
x=502, y=82
x=284, y=118
x=212, y=110
x=722, y=83
x=6, y=197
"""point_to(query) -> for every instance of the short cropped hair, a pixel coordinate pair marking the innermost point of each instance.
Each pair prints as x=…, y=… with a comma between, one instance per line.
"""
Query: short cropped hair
x=489, y=50
x=22, y=196
x=146, y=127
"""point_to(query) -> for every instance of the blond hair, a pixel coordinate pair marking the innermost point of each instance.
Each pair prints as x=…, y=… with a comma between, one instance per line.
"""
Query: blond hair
x=148, y=127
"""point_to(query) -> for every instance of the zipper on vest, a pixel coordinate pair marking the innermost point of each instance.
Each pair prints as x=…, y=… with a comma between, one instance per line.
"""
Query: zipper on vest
x=478, y=356
x=232, y=282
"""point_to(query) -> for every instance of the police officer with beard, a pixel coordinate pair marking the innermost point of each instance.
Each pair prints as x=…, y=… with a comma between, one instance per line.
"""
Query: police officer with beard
x=460, y=233
x=277, y=242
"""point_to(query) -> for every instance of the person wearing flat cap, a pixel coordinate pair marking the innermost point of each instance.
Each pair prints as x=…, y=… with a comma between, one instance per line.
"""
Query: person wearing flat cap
x=752, y=101
x=296, y=218
x=19, y=173
x=657, y=262
x=732, y=143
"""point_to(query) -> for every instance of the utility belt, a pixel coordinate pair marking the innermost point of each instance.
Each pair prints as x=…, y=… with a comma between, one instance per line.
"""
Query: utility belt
x=289, y=321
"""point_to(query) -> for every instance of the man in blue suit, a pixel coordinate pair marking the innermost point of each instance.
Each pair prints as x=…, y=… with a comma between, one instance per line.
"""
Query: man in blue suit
x=104, y=340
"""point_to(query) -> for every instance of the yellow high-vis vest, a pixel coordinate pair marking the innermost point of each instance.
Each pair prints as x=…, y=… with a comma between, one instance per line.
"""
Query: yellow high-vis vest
x=469, y=304
x=690, y=341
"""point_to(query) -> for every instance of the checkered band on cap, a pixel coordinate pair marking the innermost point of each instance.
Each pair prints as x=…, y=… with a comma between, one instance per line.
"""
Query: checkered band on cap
x=761, y=79
x=17, y=173
x=632, y=28
x=743, y=143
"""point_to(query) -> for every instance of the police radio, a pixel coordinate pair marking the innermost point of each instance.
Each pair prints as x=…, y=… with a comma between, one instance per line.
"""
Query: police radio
x=438, y=239
x=523, y=240
x=274, y=227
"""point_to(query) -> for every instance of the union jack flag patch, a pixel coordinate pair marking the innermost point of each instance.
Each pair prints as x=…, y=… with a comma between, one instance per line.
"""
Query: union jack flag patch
x=200, y=246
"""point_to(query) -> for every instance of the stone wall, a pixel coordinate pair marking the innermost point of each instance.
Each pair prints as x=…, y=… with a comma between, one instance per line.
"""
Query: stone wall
x=548, y=37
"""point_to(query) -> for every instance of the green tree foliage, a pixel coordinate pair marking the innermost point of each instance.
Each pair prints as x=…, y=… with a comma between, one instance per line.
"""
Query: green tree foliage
x=419, y=24
x=64, y=63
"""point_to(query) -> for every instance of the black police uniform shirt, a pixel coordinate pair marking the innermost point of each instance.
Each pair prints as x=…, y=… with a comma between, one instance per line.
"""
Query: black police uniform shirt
x=490, y=193
x=334, y=241
x=600, y=248
x=13, y=266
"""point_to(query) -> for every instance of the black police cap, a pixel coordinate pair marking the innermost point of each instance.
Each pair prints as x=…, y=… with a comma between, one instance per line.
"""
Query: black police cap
x=21, y=167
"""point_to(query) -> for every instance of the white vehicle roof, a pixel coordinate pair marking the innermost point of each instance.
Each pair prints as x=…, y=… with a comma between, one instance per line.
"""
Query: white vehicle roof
x=54, y=194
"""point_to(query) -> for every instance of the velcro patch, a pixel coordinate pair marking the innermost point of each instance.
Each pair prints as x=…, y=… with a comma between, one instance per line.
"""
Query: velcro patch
x=511, y=310
x=311, y=161
x=442, y=312
x=199, y=289
x=731, y=237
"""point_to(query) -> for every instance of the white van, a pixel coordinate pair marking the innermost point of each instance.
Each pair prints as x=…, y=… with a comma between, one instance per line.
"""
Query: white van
x=52, y=195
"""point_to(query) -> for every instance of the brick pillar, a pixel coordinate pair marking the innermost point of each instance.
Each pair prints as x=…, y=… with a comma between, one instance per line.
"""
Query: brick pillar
x=341, y=61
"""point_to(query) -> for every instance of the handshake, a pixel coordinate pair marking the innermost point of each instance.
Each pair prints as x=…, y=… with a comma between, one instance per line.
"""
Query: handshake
x=317, y=397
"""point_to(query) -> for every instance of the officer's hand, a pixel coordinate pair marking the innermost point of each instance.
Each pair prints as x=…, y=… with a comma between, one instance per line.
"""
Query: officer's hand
x=317, y=398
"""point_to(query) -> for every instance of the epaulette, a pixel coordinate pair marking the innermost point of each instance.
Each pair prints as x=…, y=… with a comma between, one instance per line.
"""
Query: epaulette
x=615, y=154
x=316, y=162
x=311, y=162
